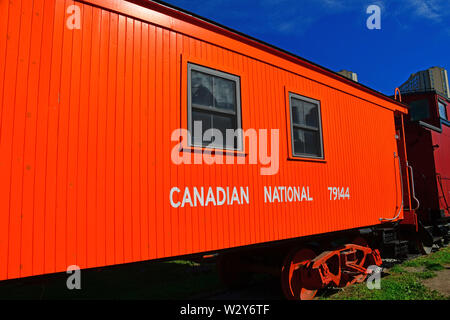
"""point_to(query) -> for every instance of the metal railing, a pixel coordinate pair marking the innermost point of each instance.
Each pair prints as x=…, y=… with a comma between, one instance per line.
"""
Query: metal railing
x=401, y=187
x=412, y=186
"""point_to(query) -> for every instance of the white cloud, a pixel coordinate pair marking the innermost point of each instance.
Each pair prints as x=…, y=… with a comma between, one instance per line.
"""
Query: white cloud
x=429, y=9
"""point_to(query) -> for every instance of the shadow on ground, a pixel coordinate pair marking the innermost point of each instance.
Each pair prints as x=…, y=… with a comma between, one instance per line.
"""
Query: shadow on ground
x=145, y=280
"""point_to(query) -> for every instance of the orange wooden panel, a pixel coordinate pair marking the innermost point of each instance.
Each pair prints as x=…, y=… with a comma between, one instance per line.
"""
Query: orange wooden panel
x=119, y=143
x=110, y=137
x=85, y=136
x=17, y=215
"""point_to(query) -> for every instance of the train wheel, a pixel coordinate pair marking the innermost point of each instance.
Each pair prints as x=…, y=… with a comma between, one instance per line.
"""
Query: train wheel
x=291, y=282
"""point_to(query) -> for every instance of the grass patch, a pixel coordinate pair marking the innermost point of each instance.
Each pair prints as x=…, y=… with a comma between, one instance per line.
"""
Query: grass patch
x=434, y=262
x=425, y=274
x=394, y=287
x=397, y=269
x=402, y=283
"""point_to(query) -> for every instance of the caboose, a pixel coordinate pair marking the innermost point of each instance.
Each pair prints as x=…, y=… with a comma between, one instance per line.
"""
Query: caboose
x=428, y=146
x=100, y=101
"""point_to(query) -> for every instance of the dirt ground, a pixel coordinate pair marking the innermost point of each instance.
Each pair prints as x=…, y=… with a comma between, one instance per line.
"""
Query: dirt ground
x=441, y=282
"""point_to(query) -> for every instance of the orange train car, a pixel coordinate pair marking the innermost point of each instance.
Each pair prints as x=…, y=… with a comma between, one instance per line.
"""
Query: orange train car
x=100, y=101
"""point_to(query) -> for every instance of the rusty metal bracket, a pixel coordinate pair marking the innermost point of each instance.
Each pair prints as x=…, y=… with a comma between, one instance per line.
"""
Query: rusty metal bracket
x=340, y=267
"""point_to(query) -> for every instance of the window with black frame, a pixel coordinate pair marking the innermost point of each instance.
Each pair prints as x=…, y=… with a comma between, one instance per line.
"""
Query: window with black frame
x=214, y=103
x=306, y=127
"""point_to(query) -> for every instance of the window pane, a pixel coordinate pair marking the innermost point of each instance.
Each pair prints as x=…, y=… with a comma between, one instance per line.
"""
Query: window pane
x=442, y=111
x=297, y=111
x=312, y=143
x=214, y=103
x=419, y=110
x=311, y=114
x=223, y=123
x=307, y=143
x=209, y=121
x=305, y=113
x=224, y=94
x=206, y=123
x=299, y=142
x=306, y=128
x=202, y=89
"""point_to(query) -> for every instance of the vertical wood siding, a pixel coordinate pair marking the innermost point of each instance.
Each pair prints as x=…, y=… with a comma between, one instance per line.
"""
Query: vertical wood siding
x=86, y=118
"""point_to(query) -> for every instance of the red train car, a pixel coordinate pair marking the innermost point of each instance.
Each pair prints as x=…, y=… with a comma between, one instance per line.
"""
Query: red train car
x=95, y=97
x=428, y=146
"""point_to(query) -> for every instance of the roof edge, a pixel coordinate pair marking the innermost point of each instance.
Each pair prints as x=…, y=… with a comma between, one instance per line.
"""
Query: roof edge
x=167, y=8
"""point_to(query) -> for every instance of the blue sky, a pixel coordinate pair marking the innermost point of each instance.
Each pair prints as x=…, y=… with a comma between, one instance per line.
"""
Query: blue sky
x=414, y=35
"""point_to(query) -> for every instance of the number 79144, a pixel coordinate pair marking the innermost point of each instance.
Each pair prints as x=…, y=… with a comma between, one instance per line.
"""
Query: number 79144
x=339, y=193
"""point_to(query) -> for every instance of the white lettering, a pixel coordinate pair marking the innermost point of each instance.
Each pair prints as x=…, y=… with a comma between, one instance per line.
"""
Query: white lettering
x=174, y=204
x=187, y=198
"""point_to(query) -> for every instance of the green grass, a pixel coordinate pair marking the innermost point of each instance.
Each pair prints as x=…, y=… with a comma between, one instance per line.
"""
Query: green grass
x=394, y=287
x=404, y=281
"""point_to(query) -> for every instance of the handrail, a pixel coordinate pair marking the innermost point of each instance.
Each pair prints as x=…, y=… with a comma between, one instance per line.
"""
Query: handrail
x=401, y=182
x=397, y=90
x=412, y=186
